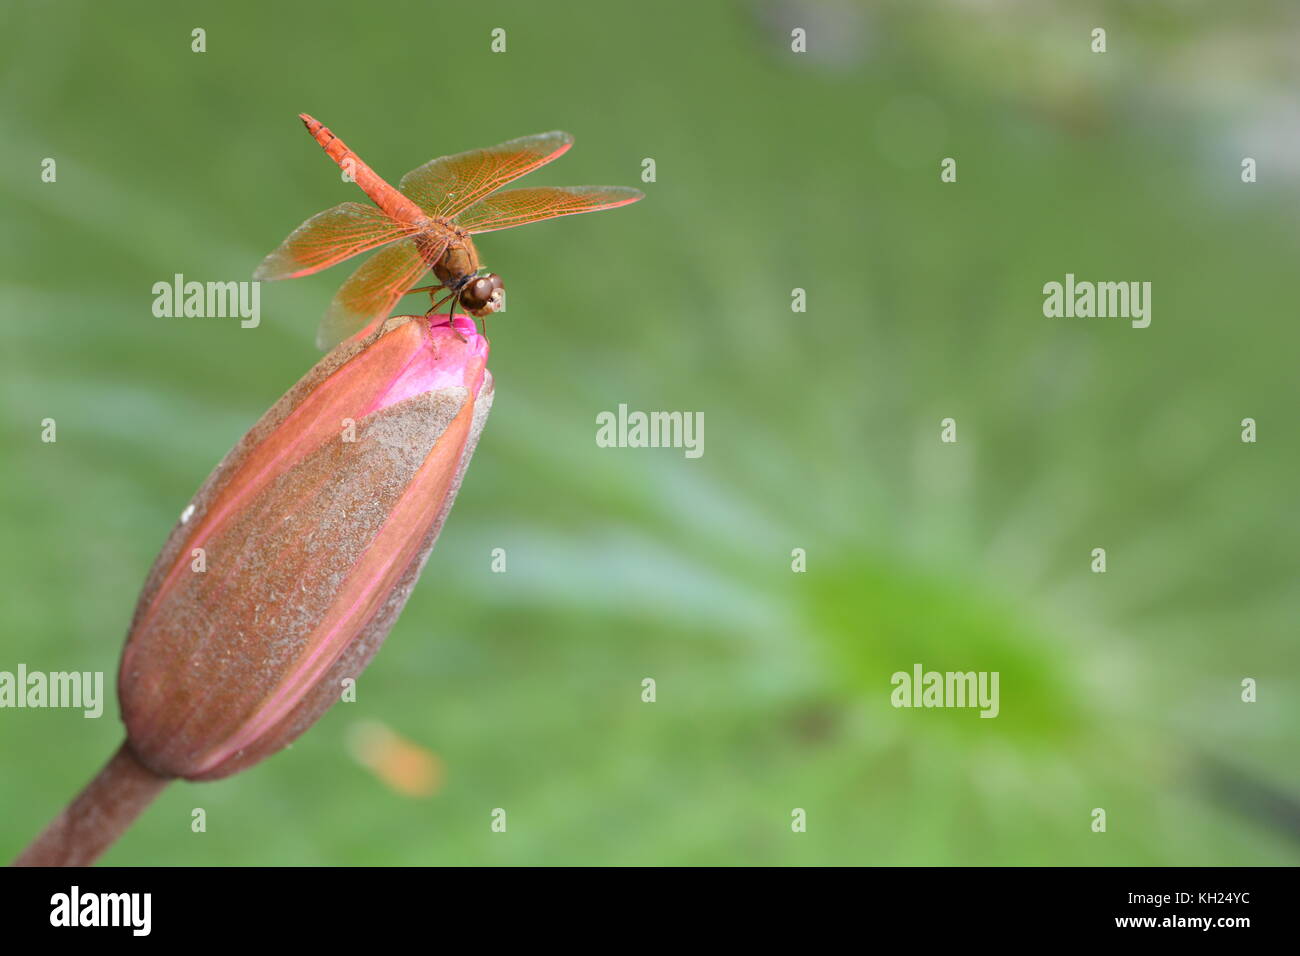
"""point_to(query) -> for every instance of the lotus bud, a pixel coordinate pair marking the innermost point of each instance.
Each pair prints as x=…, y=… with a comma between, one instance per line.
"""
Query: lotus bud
x=289, y=567
x=294, y=559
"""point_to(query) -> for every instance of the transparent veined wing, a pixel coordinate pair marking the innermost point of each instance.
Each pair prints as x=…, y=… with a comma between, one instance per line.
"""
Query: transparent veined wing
x=515, y=207
x=330, y=237
x=445, y=186
x=371, y=292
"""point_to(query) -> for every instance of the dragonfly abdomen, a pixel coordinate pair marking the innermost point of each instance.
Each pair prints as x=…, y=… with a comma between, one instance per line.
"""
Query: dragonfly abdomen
x=375, y=186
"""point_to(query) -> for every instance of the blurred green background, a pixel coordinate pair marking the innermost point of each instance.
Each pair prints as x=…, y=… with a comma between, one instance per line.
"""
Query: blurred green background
x=774, y=171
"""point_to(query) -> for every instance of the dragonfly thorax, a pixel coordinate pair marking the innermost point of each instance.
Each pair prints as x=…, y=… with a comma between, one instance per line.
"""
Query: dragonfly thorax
x=458, y=265
x=458, y=271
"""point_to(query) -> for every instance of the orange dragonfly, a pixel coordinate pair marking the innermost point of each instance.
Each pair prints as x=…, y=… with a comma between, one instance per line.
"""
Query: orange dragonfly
x=426, y=223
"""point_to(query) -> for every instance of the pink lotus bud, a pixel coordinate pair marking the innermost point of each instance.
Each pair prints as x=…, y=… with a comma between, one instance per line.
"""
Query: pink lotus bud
x=292, y=562
x=287, y=570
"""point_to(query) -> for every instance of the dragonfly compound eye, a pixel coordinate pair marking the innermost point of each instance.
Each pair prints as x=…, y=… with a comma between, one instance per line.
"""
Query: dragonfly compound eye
x=482, y=296
x=476, y=293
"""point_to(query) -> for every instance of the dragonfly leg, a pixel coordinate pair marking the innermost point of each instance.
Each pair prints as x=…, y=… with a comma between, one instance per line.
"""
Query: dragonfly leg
x=451, y=312
x=450, y=297
x=438, y=305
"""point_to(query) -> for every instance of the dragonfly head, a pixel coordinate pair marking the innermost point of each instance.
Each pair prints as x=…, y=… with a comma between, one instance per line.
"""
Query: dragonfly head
x=484, y=295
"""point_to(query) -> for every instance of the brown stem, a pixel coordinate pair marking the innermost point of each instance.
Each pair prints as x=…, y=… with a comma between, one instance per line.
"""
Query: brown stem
x=98, y=816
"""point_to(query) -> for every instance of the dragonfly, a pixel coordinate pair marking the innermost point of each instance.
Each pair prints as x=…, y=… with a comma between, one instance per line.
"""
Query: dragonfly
x=425, y=224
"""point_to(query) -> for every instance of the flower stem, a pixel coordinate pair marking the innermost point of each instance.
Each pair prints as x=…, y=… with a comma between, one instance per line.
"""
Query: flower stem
x=98, y=816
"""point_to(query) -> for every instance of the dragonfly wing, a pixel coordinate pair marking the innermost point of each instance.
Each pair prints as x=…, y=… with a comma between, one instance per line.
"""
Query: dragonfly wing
x=445, y=186
x=329, y=237
x=371, y=292
x=515, y=207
